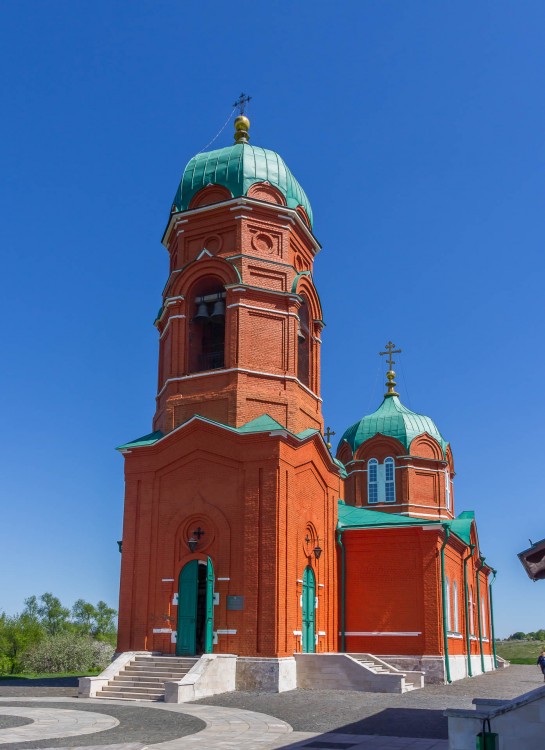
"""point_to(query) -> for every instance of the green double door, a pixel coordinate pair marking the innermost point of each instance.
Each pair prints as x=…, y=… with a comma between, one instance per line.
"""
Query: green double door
x=195, y=630
x=309, y=611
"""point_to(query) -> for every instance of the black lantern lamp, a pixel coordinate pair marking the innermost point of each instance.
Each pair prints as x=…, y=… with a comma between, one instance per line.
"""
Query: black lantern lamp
x=192, y=544
x=317, y=551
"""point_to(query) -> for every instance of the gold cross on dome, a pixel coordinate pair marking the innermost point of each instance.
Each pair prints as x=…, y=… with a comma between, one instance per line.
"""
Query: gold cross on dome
x=328, y=433
x=390, y=350
x=390, y=375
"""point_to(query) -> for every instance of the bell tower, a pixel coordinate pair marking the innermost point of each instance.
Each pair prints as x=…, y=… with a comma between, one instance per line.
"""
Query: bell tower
x=241, y=320
x=231, y=501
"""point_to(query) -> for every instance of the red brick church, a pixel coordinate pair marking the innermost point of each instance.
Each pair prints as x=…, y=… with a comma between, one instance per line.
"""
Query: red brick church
x=242, y=533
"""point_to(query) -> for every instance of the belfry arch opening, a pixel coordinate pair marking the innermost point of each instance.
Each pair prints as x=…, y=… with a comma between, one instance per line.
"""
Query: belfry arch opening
x=206, y=345
x=304, y=343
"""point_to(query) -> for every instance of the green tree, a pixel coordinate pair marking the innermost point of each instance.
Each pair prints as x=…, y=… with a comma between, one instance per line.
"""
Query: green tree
x=48, y=611
x=97, y=621
x=18, y=633
x=518, y=636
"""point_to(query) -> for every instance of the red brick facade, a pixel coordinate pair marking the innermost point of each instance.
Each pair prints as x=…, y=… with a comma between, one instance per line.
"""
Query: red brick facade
x=240, y=337
x=257, y=496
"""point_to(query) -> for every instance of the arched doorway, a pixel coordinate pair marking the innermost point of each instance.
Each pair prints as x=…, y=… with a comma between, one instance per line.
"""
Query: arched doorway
x=309, y=611
x=195, y=608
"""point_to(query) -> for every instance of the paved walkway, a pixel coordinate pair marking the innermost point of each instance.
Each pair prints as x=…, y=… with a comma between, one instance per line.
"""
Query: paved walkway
x=226, y=729
x=31, y=717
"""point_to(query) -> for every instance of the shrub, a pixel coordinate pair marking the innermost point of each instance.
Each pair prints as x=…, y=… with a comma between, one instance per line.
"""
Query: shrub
x=67, y=652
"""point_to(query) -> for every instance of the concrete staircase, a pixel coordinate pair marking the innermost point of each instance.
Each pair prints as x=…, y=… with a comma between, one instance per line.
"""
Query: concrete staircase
x=144, y=677
x=378, y=666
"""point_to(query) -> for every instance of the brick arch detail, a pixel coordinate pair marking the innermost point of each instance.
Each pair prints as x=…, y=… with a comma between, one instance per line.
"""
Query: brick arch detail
x=218, y=268
x=426, y=446
x=344, y=453
x=210, y=194
x=450, y=459
x=379, y=447
x=304, y=286
x=264, y=191
x=219, y=550
x=303, y=214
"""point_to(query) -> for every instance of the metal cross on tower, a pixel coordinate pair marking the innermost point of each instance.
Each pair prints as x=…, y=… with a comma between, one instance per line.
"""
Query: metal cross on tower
x=327, y=434
x=241, y=102
x=390, y=375
x=390, y=350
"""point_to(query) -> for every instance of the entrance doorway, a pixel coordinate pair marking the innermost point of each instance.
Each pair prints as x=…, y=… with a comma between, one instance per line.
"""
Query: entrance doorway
x=195, y=608
x=309, y=611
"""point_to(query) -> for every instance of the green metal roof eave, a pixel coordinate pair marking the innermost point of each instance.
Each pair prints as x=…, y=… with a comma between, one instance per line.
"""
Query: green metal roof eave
x=351, y=517
x=150, y=439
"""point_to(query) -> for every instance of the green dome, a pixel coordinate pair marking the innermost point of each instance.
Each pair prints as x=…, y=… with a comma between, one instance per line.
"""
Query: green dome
x=237, y=168
x=394, y=420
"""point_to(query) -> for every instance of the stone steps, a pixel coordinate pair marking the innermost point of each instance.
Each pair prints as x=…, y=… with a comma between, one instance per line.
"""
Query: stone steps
x=144, y=678
x=379, y=667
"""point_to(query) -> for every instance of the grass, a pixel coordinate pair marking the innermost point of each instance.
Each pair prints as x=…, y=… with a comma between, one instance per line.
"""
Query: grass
x=36, y=676
x=519, y=652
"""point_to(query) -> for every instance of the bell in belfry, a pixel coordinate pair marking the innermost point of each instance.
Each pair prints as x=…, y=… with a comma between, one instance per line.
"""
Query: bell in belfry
x=218, y=310
x=202, y=310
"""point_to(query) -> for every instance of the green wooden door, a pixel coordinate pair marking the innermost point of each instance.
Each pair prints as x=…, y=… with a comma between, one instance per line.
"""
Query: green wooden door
x=209, y=625
x=187, y=609
x=309, y=611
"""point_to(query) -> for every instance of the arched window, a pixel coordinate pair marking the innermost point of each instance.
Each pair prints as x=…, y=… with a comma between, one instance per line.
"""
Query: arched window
x=304, y=342
x=372, y=480
x=447, y=489
x=471, y=613
x=447, y=601
x=483, y=618
x=389, y=480
x=455, y=606
x=381, y=486
x=206, y=326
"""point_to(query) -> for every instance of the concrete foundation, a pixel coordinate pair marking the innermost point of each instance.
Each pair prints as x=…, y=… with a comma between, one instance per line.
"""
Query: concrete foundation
x=434, y=666
x=268, y=675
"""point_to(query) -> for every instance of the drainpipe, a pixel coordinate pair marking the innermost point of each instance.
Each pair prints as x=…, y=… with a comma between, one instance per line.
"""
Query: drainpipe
x=479, y=616
x=468, y=640
x=343, y=587
x=492, y=618
x=444, y=597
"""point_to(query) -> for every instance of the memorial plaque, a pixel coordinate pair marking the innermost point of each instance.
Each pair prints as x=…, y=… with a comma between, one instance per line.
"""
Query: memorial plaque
x=235, y=602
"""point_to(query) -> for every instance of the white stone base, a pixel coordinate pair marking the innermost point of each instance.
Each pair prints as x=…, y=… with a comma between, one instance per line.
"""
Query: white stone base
x=212, y=674
x=268, y=675
x=434, y=666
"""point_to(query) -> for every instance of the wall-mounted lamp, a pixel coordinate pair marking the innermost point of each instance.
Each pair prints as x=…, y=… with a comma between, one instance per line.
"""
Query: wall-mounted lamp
x=317, y=551
x=192, y=544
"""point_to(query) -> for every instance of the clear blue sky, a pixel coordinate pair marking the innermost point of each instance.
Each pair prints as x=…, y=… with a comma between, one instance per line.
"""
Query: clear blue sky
x=416, y=128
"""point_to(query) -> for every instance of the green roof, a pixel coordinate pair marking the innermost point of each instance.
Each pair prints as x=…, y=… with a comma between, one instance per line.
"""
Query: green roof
x=237, y=168
x=394, y=420
x=351, y=517
x=264, y=423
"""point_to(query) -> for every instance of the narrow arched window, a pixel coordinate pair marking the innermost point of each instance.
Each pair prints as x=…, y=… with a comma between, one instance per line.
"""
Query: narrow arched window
x=206, y=327
x=447, y=602
x=372, y=480
x=389, y=480
x=471, y=613
x=304, y=343
x=455, y=606
x=447, y=489
x=483, y=618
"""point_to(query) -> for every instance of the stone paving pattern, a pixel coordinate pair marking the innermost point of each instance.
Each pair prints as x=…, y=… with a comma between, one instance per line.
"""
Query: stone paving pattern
x=322, y=720
x=418, y=713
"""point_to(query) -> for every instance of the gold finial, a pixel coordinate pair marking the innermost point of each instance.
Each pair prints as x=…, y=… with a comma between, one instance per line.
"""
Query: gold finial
x=242, y=123
x=390, y=375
